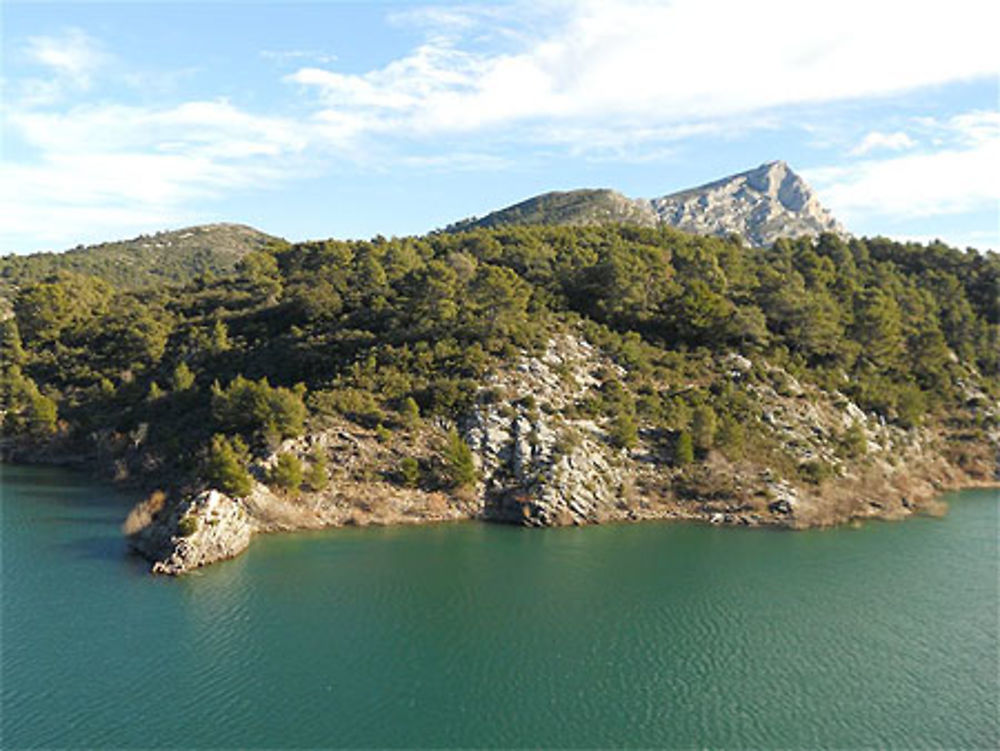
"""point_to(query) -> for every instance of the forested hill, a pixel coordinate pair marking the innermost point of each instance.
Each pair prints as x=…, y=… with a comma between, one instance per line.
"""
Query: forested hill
x=392, y=332
x=574, y=208
x=176, y=256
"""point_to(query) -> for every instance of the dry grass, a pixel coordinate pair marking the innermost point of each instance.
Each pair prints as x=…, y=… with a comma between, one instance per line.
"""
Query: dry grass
x=142, y=515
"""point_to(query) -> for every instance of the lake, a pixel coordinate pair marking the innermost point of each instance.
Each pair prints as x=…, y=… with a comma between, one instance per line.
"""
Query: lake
x=477, y=635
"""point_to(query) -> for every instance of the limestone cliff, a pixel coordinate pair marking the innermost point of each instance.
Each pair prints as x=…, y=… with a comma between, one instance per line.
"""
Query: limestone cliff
x=760, y=205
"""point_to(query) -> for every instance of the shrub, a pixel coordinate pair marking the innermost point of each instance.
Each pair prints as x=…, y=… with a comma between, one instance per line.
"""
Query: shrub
x=409, y=470
x=287, y=472
x=815, y=471
x=624, y=433
x=854, y=443
x=225, y=465
x=731, y=437
x=187, y=526
x=317, y=477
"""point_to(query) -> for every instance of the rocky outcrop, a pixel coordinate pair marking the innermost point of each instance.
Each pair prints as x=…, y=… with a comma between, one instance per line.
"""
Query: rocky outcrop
x=759, y=205
x=183, y=534
x=539, y=467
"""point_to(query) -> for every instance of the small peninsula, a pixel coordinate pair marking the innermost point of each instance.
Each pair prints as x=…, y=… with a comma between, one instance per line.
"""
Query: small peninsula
x=541, y=369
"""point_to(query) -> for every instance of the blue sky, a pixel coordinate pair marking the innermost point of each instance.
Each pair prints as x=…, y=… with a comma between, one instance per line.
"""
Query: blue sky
x=332, y=119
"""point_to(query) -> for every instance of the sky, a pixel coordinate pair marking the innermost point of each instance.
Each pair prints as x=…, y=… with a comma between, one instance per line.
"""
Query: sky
x=336, y=119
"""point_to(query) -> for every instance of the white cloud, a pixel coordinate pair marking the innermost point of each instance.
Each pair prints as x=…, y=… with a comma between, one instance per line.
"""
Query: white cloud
x=622, y=61
x=289, y=56
x=898, y=141
x=72, y=55
x=962, y=176
x=611, y=79
x=116, y=167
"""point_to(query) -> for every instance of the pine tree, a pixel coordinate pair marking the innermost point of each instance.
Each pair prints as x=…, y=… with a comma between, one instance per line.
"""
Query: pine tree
x=458, y=460
x=183, y=378
x=684, y=449
x=317, y=477
x=287, y=472
x=225, y=465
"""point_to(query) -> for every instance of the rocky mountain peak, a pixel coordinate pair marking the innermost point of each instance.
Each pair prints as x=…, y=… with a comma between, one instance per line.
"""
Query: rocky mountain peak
x=761, y=205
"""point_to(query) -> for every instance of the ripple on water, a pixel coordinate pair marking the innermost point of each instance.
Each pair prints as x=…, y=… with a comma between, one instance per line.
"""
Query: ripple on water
x=469, y=635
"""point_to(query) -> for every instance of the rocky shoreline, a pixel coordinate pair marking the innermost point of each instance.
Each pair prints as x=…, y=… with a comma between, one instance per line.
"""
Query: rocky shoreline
x=542, y=462
x=181, y=535
x=537, y=466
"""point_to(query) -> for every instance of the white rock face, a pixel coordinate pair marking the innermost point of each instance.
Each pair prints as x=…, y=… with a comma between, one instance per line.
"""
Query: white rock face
x=760, y=205
x=191, y=532
x=539, y=467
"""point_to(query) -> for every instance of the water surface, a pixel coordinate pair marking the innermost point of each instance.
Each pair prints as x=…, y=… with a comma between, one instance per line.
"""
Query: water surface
x=473, y=635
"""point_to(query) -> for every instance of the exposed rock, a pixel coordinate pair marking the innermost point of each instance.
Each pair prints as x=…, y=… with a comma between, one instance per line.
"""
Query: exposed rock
x=759, y=205
x=184, y=534
x=538, y=468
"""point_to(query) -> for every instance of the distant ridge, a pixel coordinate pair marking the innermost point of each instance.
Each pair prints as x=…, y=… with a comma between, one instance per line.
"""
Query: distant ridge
x=172, y=256
x=575, y=208
x=759, y=205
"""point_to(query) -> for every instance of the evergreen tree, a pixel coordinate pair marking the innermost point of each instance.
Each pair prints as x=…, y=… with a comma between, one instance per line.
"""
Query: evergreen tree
x=703, y=427
x=459, y=464
x=317, y=477
x=287, y=472
x=683, y=449
x=409, y=470
x=225, y=465
x=182, y=378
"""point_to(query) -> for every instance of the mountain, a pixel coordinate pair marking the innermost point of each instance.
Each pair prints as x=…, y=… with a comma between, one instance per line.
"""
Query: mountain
x=176, y=256
x=760, y=205
x=574, y=208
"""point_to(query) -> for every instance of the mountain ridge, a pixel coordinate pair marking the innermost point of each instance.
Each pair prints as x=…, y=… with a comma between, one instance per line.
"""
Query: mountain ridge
x=173, y=256
x=760, y=205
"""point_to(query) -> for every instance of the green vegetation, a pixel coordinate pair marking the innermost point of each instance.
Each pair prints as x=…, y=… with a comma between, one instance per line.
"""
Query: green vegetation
x=409, y=470
x=683, y=449
x=575, y=207
x=286, y=473
x=460, y=466
x=187, y=526
x=317, y=476
x=225, y=465
x=164, y=258
x=401, y=333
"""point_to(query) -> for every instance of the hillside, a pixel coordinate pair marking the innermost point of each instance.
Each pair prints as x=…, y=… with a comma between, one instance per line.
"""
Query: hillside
x=533, y=375
x=173, y=257
x=759, y=205
x=572, y=208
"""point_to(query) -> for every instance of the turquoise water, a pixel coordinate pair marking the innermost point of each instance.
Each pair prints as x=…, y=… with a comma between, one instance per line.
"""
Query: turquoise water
x=473, y=635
